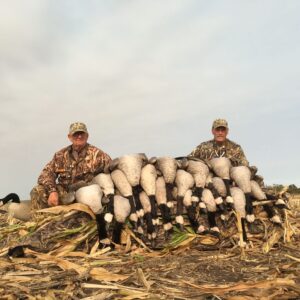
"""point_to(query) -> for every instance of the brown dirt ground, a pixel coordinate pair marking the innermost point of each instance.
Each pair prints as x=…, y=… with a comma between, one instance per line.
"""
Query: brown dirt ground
x=193, y=270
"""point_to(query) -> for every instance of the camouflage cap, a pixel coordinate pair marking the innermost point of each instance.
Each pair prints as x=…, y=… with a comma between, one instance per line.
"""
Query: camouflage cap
x=219, y=123
x=76, y=127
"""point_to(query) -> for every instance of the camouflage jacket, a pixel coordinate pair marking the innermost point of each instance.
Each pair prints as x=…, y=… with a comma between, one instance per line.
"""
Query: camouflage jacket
x=208, y=150
x=69, y=167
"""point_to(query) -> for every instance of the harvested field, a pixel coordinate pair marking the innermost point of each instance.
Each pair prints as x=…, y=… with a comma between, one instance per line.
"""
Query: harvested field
x=62, y=261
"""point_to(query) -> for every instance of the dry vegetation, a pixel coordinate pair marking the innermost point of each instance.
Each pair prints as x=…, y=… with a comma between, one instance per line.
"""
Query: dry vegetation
x=62, y=261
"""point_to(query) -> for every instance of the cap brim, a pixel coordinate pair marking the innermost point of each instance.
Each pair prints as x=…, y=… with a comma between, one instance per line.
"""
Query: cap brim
x=72, y=132
x=220, y=126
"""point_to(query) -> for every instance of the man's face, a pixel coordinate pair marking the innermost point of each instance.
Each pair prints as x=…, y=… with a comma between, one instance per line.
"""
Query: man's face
x=78, y=139
x=220, y=134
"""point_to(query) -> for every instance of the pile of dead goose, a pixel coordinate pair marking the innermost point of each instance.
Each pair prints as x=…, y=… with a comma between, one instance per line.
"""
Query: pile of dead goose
x=161, y=192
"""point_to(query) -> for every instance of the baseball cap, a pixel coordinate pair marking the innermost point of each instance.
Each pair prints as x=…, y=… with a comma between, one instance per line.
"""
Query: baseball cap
x=76, y=127
x=219, y=123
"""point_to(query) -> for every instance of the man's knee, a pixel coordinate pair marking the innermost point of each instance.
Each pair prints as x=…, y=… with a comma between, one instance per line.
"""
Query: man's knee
x=39, y=199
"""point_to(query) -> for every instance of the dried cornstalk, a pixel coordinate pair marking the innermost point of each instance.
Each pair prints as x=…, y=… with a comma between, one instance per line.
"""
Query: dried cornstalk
x=222, y=289
x=141, y=277
x=128, y=231
x=276, y=235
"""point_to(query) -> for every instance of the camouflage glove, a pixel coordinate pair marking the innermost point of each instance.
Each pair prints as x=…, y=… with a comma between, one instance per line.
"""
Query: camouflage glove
x=235, y=162
x=253, y=170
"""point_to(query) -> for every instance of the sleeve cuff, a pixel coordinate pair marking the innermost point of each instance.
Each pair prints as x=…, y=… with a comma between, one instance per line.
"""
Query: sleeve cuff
x=51, y=190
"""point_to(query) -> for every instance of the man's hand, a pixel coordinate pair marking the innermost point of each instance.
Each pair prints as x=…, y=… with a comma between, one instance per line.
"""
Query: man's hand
x=253, y=170
x=53, y=199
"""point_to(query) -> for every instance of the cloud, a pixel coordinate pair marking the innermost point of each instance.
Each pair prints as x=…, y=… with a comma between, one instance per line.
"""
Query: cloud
x=148, y=77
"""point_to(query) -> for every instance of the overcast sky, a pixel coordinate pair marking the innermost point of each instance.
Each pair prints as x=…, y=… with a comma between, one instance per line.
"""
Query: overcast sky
x=148, y=76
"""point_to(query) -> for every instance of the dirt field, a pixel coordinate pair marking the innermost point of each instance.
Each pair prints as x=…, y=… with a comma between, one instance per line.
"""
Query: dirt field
x=196, y=268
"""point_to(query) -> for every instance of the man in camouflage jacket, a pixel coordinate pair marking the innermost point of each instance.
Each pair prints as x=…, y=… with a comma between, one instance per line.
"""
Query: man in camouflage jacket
x=71, y=167
x=220, y=146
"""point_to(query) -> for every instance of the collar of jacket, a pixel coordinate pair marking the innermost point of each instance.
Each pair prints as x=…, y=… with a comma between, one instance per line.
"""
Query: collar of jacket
x=81, y=154
x=223, y=145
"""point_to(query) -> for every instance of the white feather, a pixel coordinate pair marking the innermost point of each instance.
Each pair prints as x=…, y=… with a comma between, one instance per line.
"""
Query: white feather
x=90, y=195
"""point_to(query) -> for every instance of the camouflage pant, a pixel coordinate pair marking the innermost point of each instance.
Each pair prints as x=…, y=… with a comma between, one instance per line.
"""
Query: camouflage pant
x=39, y=197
